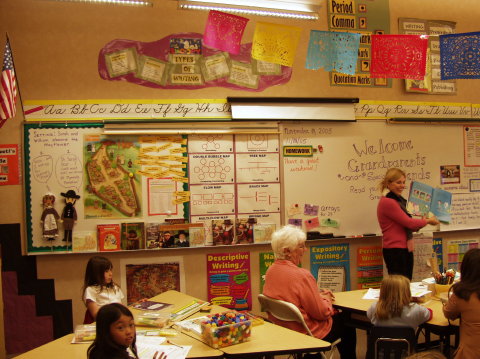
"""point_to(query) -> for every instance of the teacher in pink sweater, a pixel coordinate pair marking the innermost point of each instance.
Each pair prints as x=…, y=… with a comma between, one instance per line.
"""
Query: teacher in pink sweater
x=286, y=281
x=397, y=224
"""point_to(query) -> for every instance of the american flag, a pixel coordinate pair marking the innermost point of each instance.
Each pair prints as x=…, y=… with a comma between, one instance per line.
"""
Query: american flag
x=8, y=90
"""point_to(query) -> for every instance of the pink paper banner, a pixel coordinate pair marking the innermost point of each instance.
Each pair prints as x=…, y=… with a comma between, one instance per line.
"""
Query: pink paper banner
x=224, y=31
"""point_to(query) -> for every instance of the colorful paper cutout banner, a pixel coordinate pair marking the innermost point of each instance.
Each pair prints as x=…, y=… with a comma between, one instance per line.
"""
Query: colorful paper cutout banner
x=333, y=51
x=399, y=56
x=275, y=43
x=460, y=56
x=224, y=31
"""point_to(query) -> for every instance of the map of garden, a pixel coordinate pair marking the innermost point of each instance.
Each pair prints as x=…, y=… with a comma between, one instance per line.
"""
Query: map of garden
x=110, y=181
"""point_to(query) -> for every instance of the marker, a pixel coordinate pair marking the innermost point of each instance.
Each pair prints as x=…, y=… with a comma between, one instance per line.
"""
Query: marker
x=369, y=234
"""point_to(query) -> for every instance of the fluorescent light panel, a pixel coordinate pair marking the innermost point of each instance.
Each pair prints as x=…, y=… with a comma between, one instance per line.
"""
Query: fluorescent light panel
x=113, y=2
x=189, y=128
x=291, y=108
x=288, y=9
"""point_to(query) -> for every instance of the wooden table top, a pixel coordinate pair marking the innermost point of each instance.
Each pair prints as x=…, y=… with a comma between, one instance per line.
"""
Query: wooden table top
x=352, y=300
x=265, y=338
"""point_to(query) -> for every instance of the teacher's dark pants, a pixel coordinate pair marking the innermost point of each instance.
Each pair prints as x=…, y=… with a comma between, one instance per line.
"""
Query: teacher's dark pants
x=399, y=261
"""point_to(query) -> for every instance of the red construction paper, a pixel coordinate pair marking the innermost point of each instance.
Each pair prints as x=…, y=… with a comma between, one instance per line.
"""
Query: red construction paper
x=224, y=31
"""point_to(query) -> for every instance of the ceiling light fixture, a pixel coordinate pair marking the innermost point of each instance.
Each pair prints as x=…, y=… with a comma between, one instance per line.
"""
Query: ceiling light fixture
x=295, y=9
x=293, y=108
x=113, y=2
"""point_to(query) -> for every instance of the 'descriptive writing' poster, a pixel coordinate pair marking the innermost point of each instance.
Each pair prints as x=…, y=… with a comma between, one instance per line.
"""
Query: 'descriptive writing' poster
x=229, y=280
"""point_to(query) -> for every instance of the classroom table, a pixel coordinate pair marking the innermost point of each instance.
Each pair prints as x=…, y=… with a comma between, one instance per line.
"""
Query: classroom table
x=269, y=339
x=62, y=348
x=266, y=339
x=356, y=308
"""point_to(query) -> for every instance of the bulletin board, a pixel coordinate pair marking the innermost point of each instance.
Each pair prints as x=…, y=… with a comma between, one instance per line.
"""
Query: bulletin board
x=58, y=159
x=336, y=189
x=139, y=182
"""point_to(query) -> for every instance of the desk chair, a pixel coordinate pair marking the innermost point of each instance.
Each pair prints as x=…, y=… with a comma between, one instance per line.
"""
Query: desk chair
x=290, y=313
x=390, y=342
x=88, y=318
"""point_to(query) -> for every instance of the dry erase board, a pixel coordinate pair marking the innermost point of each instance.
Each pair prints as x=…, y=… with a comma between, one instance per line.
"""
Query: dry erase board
x=339, y=183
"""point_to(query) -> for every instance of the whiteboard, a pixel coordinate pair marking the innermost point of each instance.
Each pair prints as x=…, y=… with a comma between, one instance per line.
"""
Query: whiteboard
x=343, y=175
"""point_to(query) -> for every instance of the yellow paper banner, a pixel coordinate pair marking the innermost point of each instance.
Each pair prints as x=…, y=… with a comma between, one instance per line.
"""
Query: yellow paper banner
x=275, y=43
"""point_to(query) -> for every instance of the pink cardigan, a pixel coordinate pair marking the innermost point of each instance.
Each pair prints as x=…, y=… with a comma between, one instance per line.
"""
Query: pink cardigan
x=285, y=281
x=393, y=221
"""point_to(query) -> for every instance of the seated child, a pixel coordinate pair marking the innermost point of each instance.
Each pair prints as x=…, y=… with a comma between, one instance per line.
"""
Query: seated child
x=99, y=288
x=395, y=308
x=116, y=335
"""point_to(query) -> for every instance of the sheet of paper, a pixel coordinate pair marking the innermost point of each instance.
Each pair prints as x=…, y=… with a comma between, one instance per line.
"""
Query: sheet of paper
x=417, y=288
x=147, y=351
x=372, y=294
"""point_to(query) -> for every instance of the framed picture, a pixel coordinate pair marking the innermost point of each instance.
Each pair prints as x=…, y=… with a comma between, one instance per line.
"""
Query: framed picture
x=148, y=277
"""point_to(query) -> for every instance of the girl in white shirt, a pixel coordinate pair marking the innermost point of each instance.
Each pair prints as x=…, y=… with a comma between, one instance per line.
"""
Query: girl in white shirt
x=99, y=288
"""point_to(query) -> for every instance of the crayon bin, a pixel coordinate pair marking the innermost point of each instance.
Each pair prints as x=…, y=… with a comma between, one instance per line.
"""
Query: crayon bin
x=226, y=331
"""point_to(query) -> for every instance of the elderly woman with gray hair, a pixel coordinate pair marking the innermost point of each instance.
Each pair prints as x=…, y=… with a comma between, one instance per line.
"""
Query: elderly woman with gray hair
x=286, y=281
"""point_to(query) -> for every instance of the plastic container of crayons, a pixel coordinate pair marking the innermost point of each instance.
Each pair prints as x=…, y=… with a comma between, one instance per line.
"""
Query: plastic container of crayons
x=225, y=329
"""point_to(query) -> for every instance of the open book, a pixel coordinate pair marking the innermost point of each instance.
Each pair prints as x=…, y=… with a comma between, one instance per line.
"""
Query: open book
x=424, y=199
x=151, y=305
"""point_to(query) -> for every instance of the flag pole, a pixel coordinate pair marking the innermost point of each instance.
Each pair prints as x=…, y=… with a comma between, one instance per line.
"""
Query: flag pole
x=16, y=77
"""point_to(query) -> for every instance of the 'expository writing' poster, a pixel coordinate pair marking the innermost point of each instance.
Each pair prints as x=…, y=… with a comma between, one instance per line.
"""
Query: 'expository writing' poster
x=330, y=265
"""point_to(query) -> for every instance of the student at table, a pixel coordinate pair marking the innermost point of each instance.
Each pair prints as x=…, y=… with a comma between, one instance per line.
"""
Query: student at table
x=116, y=335
x=464, y=302
x=98, y=287
x=394, y=306
x=397, y=224
x=286, y=281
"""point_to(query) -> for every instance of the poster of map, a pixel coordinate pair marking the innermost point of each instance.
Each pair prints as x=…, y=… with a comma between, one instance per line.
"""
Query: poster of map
x=111, y=177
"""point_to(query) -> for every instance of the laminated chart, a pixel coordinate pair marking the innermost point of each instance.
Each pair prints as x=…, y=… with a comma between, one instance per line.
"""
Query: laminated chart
x=234, y=177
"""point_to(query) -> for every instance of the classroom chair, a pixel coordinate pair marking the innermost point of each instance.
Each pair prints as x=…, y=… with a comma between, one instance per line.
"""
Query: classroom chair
x=390, y=342
x=289, y=312
x=88, y=319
